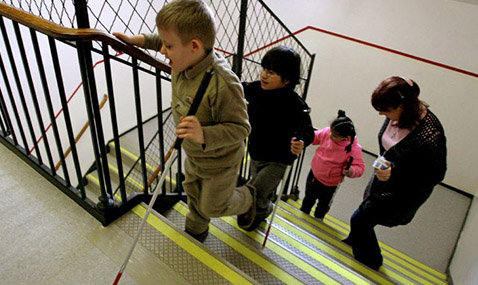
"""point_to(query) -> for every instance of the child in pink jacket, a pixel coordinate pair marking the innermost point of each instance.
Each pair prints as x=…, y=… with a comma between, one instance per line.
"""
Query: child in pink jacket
x=337, y=144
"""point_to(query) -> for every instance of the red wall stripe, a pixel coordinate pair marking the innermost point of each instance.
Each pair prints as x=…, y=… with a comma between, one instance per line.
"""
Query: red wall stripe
x=388, y=50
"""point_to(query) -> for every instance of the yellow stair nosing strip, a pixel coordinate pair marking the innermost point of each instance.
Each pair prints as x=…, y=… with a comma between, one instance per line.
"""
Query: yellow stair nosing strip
x=244, y=250
x=133, y=156
x=345, y=259
x=317, y=274
x=198, y=252
x=389, y=252
x=347, y=249
x=278, y=251
x=345, y=228
x=324, y=260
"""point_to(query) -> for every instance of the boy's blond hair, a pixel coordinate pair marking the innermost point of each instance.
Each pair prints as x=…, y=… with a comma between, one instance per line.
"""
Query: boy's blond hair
x=190, y=19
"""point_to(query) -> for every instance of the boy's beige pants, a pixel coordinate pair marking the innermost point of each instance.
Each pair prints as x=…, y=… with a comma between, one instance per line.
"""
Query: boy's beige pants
x=213, y=193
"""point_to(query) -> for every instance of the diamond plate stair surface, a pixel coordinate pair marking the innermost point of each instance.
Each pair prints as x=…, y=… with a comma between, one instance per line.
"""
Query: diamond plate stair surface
x=179, y=259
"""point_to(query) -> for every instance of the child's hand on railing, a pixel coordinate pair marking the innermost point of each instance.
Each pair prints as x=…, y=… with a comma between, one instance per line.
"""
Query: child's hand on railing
x=137, y=40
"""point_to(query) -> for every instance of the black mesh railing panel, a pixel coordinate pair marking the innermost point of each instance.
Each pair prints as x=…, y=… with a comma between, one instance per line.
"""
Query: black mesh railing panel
x=153, y=156
x=263, y=32
x=61, y=12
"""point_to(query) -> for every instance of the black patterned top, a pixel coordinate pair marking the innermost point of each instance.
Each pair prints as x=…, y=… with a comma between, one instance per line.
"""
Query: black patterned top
x=418, y=164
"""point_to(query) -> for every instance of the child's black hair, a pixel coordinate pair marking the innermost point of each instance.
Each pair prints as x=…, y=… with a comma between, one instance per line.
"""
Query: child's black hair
x=284, y=61
x=344, y=127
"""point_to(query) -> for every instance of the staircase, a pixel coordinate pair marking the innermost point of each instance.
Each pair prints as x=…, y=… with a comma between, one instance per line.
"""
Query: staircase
x=300, y=249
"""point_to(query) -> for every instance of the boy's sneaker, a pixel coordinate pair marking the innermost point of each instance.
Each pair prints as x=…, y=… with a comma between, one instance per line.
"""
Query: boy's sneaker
x=259, y=219
x=199, y=237
x=245, y=220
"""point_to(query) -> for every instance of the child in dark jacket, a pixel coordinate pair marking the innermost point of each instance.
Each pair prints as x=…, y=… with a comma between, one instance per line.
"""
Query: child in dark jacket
x=337, y=144
x=275, y=113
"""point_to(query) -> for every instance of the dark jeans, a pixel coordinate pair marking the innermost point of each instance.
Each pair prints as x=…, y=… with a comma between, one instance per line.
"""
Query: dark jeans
x=315, y=190
x=363, y=240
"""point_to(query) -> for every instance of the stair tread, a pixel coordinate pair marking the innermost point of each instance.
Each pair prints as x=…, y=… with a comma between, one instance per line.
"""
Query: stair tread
x=393, y=264
x=176, y=249
x=283, y=255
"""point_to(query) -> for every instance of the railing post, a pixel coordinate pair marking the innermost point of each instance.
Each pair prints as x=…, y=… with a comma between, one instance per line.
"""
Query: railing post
x=159, y=102
x=294, y=191
x=309, y=74
x=237, y=64
x=81, y=10
x=114, y=122
x=139, y=121
x=92, y=108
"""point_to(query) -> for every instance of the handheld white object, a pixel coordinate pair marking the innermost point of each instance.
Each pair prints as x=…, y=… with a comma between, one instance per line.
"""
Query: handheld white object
x=380, y=163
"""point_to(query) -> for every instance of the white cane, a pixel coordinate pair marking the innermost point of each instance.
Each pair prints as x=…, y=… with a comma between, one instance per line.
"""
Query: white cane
x=170, y=156
x=282, y=186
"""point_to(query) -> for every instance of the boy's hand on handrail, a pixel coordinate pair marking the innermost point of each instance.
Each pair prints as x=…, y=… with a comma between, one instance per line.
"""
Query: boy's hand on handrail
x=296, y=146
x=190, y=128
x=137, y=40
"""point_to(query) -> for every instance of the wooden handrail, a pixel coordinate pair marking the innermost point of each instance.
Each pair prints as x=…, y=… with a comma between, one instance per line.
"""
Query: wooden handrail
x=62, y=33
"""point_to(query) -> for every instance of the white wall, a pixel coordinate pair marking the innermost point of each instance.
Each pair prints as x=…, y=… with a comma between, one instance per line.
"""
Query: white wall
x=464, y=266
x=439, y=30
x=345, y=74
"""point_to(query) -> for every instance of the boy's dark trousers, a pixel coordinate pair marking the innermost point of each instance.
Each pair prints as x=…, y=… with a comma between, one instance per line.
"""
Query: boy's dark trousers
x=265, y=176
x=315, y=190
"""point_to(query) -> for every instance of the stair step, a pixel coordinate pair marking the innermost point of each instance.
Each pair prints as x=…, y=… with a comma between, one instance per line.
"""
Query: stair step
x=285, y=254
x=396, y=265
x=192, y=260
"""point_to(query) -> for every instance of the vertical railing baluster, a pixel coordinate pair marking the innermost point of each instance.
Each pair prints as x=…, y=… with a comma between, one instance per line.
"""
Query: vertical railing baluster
x=160, y=121
x=6, y=117
x=3, y=129
x=35, y=98
x=89, y=87
x=48, y=102
x=21, y=94
x=66, y=114
x=237, y=65
x=238, y=57
x=33, y=94
x=139, y=120
x=114, y=122
x=295, y=187
x=10, y=93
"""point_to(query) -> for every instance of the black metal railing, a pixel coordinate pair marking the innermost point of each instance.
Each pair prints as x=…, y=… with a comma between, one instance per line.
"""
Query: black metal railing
x=246, y=29
x=35, y=94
